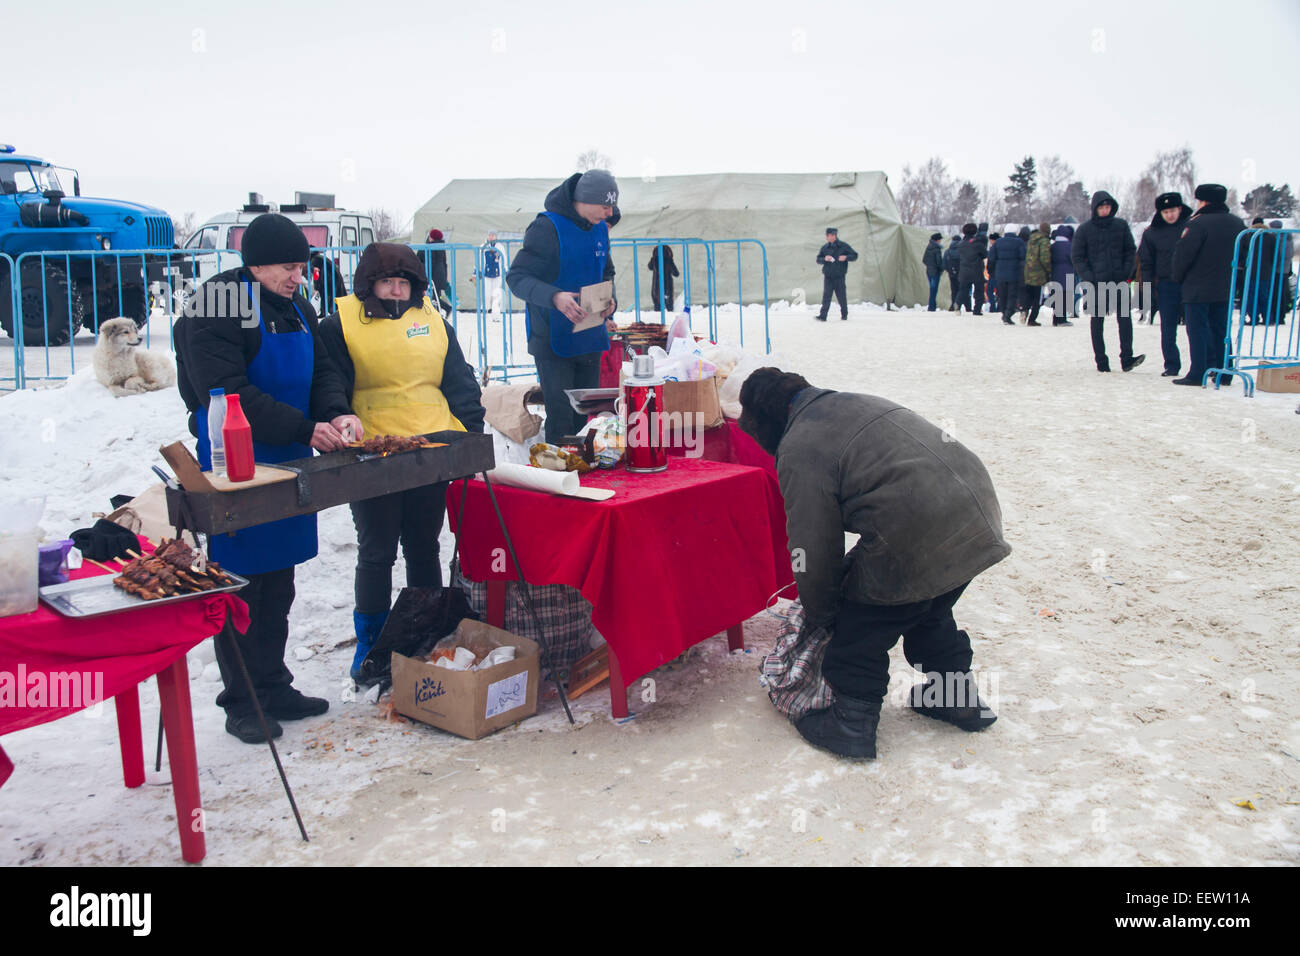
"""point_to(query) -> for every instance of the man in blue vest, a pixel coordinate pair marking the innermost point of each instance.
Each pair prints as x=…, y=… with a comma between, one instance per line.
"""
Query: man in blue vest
x=492, y=273
x=295, y=400
x=565, y=248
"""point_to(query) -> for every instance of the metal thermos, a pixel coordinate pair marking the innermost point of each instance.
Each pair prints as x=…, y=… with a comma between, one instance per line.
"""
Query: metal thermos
x=643, y=402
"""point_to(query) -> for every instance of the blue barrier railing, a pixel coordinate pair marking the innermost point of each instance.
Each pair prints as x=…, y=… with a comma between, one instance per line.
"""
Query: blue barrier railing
x=1260, y=337
x=9, y=305
x=50, y=296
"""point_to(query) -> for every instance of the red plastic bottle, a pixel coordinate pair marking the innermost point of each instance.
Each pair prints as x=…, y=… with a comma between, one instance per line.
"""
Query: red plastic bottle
x=238, y=437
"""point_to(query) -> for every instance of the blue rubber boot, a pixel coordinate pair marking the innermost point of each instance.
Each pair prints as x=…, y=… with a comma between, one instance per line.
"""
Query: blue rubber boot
x=367, y=627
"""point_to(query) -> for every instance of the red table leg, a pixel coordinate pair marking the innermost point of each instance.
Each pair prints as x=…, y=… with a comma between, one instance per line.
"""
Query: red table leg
x=127, y=705
x=178, y=723
x=736, y=638
x=617, y=689
x=496, y=603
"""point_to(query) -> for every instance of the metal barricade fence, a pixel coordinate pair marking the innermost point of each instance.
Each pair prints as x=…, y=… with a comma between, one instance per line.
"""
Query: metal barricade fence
x=1262, y=283
x=9, y=306
x=57, y=295
x=514, y=362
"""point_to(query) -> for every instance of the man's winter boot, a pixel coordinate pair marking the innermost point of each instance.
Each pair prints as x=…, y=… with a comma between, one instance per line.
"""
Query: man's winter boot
x=367, y=627
x=954, y=698
x=847, y=727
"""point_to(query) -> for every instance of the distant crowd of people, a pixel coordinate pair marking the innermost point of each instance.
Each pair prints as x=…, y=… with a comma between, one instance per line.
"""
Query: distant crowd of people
x=1183, y=264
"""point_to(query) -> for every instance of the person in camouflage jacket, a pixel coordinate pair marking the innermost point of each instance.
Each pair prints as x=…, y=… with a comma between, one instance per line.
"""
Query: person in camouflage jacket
x=1038, y=268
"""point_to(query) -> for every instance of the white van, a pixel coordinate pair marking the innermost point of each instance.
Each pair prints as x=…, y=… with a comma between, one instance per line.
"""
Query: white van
x=324, y=225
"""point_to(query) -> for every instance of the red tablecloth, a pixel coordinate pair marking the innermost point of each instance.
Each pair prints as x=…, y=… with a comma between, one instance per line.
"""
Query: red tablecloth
x=111, y=654
x=671, y=559
x=125, y=648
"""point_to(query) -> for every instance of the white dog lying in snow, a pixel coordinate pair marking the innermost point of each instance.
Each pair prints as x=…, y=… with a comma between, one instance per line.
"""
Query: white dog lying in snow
x=123, y=367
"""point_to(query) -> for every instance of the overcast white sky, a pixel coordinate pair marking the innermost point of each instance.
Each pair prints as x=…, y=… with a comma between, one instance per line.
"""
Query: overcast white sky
x=189, y=105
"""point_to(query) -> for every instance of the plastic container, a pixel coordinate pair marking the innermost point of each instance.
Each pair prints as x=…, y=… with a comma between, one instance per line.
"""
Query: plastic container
x=238, y=437
x=216, y=421
x=20, y=536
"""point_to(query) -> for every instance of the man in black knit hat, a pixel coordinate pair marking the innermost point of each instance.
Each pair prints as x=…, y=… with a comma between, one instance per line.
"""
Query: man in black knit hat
x=254, y=335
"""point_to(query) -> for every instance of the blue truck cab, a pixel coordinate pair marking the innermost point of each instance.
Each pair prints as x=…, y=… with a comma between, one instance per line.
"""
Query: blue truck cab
x=75, y=283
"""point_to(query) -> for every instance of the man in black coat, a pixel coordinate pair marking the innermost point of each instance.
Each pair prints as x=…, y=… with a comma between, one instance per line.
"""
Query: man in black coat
x=670, y=272
x=1203, y=264
x=1007, y=265
x=835, y=257
x=970, y=269
x=548, y=274
x=1156, y=255
x=251, y=332
x=1104, y=257
x=929, y=522
x=951, y=263
x=932, y=259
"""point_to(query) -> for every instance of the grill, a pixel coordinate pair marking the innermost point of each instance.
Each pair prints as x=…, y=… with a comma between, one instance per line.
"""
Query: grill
x=158, y=232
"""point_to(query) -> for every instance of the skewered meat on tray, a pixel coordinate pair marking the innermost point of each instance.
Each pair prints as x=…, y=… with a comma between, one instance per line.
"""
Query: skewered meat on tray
x=173, y=568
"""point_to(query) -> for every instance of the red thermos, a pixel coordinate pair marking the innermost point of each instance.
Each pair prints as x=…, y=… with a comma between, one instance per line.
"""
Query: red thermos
x=238, y=437
x=643, y=402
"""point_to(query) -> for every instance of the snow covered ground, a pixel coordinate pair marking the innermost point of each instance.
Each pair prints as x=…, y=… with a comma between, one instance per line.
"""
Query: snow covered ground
x=1142, y=636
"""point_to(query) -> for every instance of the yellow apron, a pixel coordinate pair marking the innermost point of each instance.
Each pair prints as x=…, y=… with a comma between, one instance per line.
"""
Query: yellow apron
x=398, y=365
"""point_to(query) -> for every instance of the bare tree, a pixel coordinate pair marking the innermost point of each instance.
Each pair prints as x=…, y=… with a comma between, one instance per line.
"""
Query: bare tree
x=385, y=223
x=1054, y=178
x=593, y=158
x=927, y=197
x=993, y=204
x=1173, y=171
x=183, y=228
x=1140, y=196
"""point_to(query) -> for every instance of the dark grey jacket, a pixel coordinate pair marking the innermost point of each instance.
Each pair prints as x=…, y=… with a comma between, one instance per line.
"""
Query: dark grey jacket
x=925, y=507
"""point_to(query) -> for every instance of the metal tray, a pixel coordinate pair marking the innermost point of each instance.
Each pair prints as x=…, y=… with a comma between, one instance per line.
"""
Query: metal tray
x=96, y=596
x=587, y=400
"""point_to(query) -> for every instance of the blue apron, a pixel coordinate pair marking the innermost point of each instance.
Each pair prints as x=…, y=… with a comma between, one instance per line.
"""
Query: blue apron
x=583, y=253
x=282, y=369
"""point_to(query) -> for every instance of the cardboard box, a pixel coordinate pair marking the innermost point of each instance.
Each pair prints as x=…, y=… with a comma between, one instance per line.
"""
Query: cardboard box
x=1275, y=379
x=470, y=704
x=691, y=397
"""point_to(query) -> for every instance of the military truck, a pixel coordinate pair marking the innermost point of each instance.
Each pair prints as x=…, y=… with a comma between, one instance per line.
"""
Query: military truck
x=70, y=287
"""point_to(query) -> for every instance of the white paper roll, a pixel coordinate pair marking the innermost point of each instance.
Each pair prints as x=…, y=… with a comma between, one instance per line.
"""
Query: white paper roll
x=536, y=479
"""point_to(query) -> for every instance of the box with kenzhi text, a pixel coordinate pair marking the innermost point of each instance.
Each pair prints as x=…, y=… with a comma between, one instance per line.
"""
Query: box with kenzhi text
x=471, y=703
x=1278, y=379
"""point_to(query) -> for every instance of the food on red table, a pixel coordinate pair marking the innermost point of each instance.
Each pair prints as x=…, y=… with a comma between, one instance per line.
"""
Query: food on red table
x=174, y=568
x=391, y=444
x=643, y=335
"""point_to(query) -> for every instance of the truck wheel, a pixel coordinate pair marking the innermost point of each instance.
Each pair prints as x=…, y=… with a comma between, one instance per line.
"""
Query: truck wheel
x=135, y=305
x=55, y=301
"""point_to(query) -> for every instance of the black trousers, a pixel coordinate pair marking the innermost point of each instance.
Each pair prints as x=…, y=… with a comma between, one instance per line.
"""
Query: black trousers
x=857, y=659
x=952, y=288
x=668, y=291
x=269, y=597
x=555, y=375
x=834, y=285
x=1009, y=292
x=1125, y=340
x=1032, y=299
x=413, y=517
x=964, y=294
